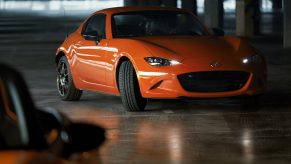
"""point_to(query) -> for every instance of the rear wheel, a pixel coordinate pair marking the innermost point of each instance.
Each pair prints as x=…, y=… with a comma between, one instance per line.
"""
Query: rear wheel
x=129, y=88
x=65, y=84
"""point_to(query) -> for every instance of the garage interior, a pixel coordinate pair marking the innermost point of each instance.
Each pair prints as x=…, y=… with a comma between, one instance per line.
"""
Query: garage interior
x=168, y=131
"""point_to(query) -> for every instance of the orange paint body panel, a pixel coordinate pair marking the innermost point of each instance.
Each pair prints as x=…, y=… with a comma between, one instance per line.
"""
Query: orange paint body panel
x=24, y=156
x=95, y=66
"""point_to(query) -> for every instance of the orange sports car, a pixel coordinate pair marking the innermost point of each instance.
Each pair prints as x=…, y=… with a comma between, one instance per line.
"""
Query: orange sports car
x=156, y=52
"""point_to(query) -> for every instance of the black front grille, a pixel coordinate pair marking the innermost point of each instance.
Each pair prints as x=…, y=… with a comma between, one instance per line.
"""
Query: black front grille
x=213, y=81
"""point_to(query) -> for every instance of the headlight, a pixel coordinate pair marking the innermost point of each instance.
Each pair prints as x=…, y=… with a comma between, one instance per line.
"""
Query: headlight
x=156, y=61
x=253, y=59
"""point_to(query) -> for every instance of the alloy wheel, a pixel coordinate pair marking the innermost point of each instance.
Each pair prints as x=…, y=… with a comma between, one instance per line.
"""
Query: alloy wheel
x=62, y=78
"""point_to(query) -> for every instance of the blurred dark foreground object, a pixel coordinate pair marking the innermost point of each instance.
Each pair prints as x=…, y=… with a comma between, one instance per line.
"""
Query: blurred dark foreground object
x=31, y=135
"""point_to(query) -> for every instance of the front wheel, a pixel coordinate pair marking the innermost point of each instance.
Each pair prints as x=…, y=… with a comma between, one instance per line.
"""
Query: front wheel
x=129, y=88
x=65, y=84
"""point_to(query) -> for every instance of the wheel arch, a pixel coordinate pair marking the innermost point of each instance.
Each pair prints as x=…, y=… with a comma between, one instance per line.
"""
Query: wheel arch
x=135, y=61
x=58, y=56
x=120, y=61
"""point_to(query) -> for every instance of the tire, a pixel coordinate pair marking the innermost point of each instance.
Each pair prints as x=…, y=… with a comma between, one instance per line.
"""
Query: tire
x=129, y=89
x=65, y=83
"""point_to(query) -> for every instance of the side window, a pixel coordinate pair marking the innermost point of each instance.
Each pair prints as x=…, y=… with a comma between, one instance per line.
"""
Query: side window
x=96, y=26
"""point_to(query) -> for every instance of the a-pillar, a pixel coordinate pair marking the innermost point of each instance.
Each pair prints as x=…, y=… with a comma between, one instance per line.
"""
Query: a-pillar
x=287, y=23
x=190, y=5
x=248, y=17
x=169, y=3
x=213, y=13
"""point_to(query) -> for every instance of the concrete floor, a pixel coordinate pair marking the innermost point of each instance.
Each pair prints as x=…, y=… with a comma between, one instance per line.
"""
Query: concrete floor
x=169, y=131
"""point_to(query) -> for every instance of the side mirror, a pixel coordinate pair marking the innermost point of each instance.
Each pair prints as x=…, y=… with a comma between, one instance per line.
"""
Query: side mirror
x=80, y=137
x=218, y=32
x=91, y=37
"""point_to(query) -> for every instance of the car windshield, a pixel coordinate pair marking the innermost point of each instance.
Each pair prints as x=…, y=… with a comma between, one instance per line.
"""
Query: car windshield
x=156, y=23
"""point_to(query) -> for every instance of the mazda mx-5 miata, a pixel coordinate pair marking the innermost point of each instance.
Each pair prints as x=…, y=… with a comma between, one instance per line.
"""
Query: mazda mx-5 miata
x=155, y=52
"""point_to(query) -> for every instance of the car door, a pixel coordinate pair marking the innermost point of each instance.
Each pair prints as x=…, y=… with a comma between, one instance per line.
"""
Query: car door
x=90, y=52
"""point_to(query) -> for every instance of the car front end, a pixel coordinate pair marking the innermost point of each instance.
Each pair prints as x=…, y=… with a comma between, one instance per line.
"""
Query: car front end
x=217, y=72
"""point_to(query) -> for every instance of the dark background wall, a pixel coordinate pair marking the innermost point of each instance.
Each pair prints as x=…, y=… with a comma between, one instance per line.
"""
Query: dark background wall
x=247, y=18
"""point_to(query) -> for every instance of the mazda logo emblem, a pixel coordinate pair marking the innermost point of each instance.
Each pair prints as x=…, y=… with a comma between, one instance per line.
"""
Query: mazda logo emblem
x=215, y=64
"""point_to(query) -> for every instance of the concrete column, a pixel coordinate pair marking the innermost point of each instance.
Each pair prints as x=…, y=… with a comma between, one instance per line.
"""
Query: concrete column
x=220, y=14
x=190, y=5
x=169, y=3
x=130, y=2
x=148, y=2
x=154, y=2
x=287, y=23
x=240, y=18
x=142, y=2
x=277, y=21
x=213, y=13
x=277, y=4
x=248, y=17
x=257, y=16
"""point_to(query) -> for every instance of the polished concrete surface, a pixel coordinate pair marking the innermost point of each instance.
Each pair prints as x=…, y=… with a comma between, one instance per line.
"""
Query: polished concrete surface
x=169, y=131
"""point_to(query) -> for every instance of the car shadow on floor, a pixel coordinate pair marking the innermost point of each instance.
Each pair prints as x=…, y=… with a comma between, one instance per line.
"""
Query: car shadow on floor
x=274, y=99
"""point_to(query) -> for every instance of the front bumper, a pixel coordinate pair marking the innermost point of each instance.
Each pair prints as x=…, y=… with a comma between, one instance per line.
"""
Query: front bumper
x=165, y=83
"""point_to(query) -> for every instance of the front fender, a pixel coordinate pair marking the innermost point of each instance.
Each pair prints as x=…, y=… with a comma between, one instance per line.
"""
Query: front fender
x=133, y=50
